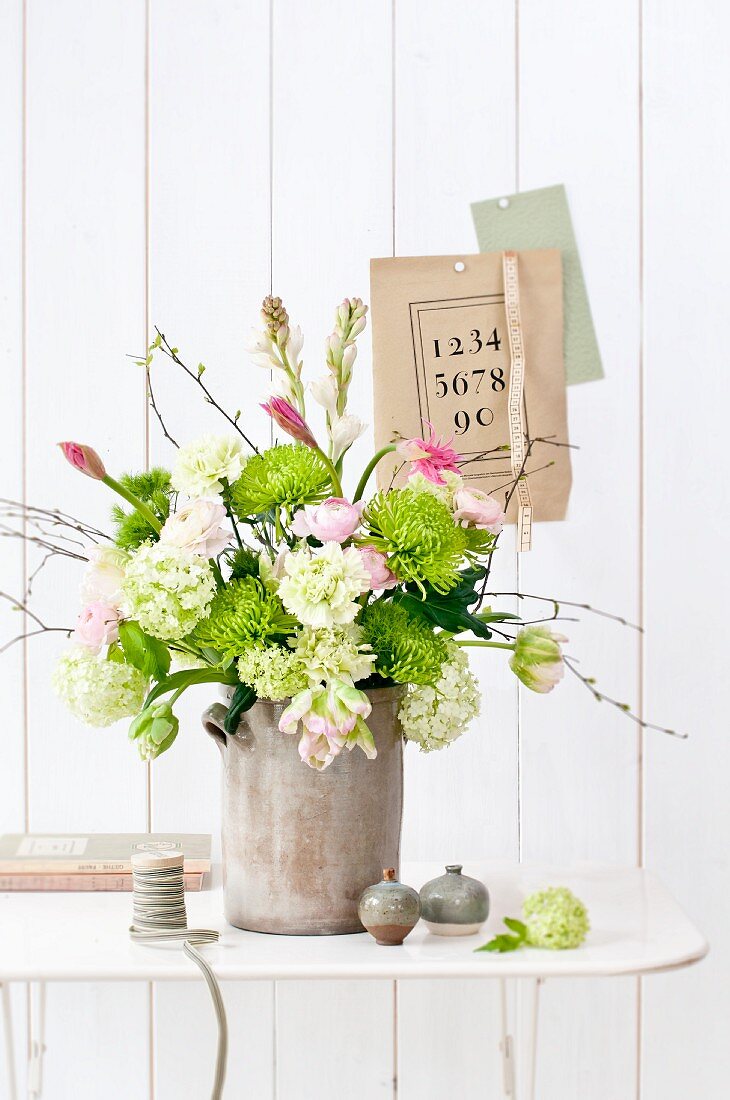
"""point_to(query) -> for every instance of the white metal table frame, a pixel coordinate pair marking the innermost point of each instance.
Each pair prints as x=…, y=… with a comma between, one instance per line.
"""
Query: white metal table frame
x=636, y=929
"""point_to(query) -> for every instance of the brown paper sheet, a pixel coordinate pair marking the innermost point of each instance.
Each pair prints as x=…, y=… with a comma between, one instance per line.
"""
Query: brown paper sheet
x=441, y=353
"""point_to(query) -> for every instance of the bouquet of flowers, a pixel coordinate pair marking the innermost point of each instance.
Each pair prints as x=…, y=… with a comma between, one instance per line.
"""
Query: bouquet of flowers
x=255, y=569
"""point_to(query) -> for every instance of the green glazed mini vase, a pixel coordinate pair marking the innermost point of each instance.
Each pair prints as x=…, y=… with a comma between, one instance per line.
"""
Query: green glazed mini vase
x=389, y=910
x=454, y=904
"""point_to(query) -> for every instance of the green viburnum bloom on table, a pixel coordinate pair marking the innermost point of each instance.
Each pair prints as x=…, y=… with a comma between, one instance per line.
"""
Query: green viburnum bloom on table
x=243, y=613
x=154, y=730
x=406, y=649
x=273, y=673
x=321, y=586
x=435, y=716
x=96, y=690
x=555, y=919
x=538, y=658
x=204, y=466
x=168, y=589
x=285, y=477
x=417, y=533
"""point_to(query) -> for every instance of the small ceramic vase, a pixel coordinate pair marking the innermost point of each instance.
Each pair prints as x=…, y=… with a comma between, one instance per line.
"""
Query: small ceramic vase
x=389, y=910
x=454, y=904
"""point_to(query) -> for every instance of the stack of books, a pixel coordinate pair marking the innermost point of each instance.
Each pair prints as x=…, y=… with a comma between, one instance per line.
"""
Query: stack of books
x=99, y=861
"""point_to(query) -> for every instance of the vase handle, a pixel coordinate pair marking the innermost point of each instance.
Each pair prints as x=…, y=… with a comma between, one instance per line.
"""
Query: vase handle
x=213, y=719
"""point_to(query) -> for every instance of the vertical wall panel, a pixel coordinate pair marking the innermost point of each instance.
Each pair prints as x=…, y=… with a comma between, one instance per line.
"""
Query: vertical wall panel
x=579, y=112
x=209, y=260
x=687, y=243
x=85, y=263
x=332, y=211
x=12, y=755
x=455, y=144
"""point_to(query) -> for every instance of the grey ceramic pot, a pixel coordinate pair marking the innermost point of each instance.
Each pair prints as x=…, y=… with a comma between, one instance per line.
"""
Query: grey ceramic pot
x=454, y=904
x=389, y=910
x=299, y=845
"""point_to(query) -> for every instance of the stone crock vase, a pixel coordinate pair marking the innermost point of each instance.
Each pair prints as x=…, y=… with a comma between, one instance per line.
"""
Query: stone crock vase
x=454, y=904
x=389, y=910
x=300, y=845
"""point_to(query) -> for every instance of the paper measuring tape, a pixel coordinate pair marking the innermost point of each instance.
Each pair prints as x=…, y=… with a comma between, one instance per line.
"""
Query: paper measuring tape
x=515, y=404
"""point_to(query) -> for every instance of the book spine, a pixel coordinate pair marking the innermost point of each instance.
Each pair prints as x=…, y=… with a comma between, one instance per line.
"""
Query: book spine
x=83, y=867
x=106, y=883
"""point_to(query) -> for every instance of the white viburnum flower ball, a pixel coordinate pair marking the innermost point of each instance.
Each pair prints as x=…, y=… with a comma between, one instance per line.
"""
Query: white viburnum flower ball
x=201, y=466
x=96, y=690
x=321, y=586
x=168, y=589
x=435, y=716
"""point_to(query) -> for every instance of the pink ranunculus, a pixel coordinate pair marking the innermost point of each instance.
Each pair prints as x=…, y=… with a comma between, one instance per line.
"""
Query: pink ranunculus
x=85, y=459
x=334, y=520
x=97, y=625
x=430, y=457
x=197, y=528
x=376, y=564
x=475, y=508
x=290, y=421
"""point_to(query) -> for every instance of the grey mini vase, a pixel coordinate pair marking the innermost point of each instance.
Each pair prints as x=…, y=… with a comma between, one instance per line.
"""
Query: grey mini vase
x=454, y=904
x=389, y=910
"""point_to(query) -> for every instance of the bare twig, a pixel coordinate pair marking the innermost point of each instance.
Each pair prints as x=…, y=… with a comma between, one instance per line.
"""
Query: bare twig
x=557, y=604
x=42, y=628
x=171, y=353
x=600, y=697
x=158, y=414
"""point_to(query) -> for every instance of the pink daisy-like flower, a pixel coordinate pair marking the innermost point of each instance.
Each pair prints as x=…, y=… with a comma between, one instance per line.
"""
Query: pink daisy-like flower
x=430, y=457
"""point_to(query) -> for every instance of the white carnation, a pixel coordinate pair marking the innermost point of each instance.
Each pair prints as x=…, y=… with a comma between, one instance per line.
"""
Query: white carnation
x=202, y=465
x=435, y=716
x=169, y=589
x=96, y=690
x=321, y=586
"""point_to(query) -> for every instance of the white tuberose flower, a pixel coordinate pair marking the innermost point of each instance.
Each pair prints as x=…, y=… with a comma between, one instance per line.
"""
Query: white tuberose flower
x=321, y=586
x=343, y=433
x=198, y=528
x=201, y=465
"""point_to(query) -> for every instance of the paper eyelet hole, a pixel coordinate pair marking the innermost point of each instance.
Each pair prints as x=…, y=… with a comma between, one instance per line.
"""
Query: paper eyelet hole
x=503, y=204
x=459, y=266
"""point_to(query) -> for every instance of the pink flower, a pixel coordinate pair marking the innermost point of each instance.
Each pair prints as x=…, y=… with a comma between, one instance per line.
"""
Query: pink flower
x=97, y=625
x=331, y=717
x=430, y=457
x=289, y=420
x=198, y=528
x=334, y=520
x=376, y=565
x=85, y=459
x=475, y=508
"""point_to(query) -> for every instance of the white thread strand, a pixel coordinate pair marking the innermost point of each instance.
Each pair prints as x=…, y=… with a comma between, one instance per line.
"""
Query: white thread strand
x=159, y=916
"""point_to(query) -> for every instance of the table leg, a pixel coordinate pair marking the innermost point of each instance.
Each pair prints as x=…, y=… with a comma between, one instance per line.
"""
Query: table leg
x=38, y=1044
x=530, y=1020
x=9, y=1045
x=506, y=1044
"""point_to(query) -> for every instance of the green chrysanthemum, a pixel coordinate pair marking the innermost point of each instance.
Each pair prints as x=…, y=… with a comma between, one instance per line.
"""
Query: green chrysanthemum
x=285, y=477
x=418, y=534
x=406, y=649
x=153, y=488
x=241, y=614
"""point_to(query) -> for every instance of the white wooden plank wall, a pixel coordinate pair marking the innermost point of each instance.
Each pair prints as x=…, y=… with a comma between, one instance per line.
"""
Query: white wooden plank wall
x=170, y=162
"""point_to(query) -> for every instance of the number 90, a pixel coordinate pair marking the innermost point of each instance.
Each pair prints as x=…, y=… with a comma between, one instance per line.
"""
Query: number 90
x=462, y=420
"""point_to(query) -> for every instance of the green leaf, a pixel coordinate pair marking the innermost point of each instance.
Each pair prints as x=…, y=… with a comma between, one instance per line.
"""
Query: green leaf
x=201, y=366
x=516, y=926
x=243, y=699
x=149, y=655
x=188, y=677
x=501, y=944
x=115, y=653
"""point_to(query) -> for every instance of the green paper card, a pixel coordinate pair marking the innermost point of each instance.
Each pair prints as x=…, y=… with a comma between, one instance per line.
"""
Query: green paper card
x=541, y=219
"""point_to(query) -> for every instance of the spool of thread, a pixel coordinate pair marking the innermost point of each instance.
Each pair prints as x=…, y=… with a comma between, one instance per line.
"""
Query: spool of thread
x=159, y=915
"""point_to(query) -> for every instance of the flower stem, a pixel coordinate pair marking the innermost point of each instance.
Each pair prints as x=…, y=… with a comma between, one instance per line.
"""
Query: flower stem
x=336, y=484
x=487, y=645
x=136, y=503
x=369, y=469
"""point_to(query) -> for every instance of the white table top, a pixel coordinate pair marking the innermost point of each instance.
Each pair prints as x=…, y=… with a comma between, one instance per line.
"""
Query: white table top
x=636, y=928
